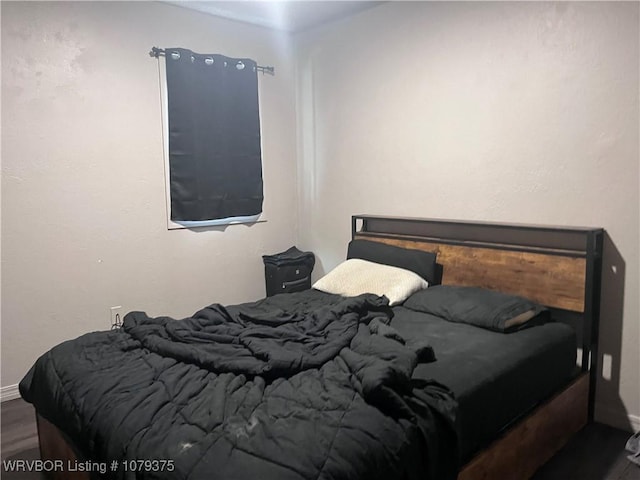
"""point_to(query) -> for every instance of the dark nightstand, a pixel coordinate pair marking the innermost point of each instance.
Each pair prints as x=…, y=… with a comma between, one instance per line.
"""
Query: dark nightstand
x=288, y=271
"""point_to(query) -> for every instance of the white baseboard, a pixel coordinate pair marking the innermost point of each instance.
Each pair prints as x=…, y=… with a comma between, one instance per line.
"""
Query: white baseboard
x=634, y=420
x=10, y=392
x=616, y=418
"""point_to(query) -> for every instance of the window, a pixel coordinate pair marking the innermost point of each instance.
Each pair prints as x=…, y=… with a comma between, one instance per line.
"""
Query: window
x=211, y=121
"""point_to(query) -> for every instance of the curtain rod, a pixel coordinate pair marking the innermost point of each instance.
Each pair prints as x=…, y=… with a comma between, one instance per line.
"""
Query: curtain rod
x=156, y=52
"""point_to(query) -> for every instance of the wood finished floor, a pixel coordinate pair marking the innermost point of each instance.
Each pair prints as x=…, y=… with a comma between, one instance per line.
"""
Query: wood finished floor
x=596, y=453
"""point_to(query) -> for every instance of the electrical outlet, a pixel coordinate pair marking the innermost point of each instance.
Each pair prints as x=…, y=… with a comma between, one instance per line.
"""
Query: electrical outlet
x=116, y=316
x=579, y=359
x=607, y=362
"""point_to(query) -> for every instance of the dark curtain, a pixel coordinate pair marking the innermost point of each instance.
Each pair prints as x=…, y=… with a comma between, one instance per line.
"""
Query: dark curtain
x=214, y=136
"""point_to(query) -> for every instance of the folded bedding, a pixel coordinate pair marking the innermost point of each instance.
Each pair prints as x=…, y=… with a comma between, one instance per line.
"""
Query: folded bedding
x=298, y=386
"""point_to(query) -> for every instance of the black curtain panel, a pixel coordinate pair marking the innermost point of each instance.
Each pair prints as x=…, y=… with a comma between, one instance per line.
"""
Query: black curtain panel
x=214, y=136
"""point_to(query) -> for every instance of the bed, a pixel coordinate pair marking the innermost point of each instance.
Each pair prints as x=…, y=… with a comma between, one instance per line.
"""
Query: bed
x=557, y=267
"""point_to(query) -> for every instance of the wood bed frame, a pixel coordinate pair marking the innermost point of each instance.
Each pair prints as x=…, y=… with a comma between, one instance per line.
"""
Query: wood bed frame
x=556, y=266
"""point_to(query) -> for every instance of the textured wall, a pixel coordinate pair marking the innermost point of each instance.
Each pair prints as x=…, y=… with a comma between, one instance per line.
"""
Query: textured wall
x=506, y=111
x=83, y=199
x=523, y=112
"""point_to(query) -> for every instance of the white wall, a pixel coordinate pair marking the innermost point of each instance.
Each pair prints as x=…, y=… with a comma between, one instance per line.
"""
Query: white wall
x=524, y=112
x=506, y=111
x=83, y=203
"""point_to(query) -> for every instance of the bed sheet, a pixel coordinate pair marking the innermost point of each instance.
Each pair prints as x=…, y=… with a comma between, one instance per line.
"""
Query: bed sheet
x=496, y=377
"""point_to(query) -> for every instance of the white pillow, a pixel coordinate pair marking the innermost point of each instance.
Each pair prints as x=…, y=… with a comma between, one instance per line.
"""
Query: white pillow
x=355, y=276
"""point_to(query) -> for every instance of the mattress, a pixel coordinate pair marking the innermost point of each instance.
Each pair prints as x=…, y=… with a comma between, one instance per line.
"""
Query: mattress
x=496, y=377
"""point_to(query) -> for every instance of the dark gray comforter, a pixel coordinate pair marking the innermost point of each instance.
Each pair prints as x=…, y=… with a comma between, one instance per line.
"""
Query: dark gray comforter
x=299, y=386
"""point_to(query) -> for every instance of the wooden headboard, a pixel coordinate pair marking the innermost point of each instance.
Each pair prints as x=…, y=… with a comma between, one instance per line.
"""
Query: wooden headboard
x=555, y=266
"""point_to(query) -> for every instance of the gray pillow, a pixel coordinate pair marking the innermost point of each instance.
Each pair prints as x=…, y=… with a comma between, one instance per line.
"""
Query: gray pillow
x=417, y=261
x=483, y=308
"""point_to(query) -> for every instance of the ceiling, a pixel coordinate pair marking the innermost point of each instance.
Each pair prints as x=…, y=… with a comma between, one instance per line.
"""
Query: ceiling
x=289, y=16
